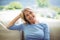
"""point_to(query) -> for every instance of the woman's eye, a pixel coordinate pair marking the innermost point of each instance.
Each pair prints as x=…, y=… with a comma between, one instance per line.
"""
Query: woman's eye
x=30, y=12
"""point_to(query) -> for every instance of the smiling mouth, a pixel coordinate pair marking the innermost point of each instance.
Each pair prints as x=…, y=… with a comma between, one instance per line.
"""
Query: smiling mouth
x=32, y=18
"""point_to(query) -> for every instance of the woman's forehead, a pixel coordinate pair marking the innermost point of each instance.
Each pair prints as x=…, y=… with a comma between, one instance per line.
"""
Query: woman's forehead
x=27, y=10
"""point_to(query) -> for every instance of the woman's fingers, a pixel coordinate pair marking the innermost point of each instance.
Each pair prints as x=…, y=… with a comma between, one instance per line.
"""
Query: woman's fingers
x=21, y=15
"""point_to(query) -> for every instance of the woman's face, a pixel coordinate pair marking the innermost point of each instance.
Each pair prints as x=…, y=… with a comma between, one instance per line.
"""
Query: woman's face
x=29, y=15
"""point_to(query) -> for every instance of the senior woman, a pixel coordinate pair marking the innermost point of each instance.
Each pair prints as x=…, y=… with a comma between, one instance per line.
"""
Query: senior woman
x=33, y=30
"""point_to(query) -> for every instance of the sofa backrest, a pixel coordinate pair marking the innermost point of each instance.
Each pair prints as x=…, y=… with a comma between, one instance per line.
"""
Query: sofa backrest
x=54, y=27
x=9, y=34
x=54, y=30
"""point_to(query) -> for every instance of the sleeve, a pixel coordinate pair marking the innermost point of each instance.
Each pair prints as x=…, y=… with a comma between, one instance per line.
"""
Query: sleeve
x=16, y=27
x=46, y=32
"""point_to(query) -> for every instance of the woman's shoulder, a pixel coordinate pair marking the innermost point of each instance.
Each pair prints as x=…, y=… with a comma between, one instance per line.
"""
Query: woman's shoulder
x=23, y=24
x=43, y=25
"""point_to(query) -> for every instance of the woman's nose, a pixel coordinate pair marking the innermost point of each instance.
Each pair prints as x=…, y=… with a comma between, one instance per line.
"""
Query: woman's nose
x=30, y=15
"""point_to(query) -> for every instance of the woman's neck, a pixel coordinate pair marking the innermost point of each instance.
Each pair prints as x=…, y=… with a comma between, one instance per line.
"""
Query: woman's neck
x=35, y=22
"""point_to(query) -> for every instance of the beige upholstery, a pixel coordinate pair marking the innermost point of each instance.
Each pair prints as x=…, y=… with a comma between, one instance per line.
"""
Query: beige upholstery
x=54, y=30
x=9, y=34
x=2, y=27
x=15, y=35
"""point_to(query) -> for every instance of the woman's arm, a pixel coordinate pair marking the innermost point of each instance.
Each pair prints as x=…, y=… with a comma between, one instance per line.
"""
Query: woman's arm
x=46, y=32
x=13, y=21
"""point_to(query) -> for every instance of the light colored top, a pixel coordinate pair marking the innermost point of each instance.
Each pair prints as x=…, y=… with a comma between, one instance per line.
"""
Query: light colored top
x=33, y=31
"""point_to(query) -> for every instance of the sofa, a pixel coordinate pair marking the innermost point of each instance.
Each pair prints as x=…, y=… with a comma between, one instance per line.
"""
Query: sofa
x=6, y=34
x=54, y=26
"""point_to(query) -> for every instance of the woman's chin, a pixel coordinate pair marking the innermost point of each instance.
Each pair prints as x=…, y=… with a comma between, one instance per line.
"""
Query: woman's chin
x=32, y=21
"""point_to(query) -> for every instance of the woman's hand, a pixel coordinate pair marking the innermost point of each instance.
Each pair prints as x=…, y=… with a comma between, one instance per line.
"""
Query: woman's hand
x=21, y=15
